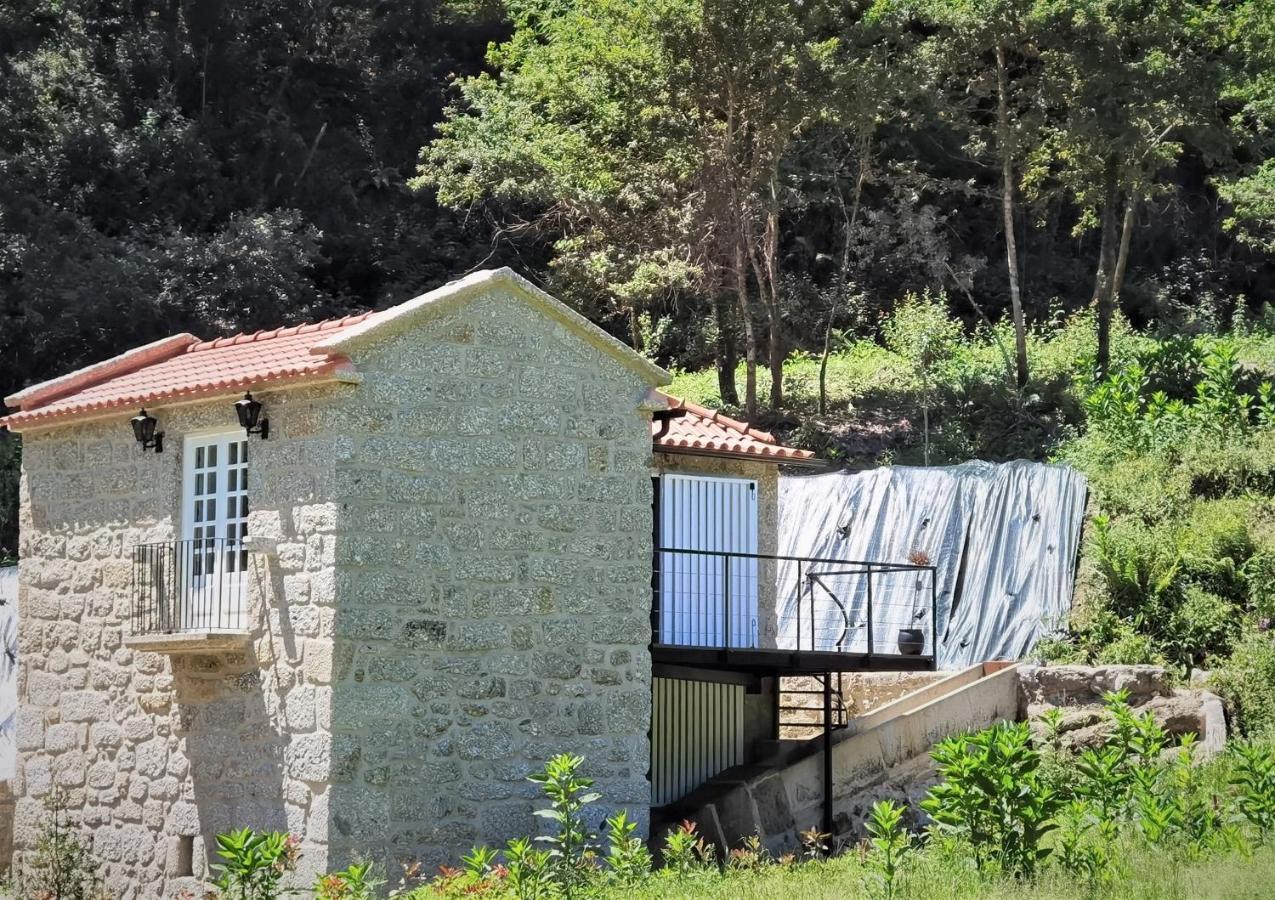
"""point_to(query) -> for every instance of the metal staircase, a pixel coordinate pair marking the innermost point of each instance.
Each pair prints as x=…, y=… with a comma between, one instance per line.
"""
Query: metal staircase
x=801, y=710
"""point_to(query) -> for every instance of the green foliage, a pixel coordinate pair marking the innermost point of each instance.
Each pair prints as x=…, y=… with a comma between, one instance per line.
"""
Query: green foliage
x=889, y=840
x=685, y=850
x=991, y=795
x=63, y=866
x=627, y=856
x=1247, y=680
x=571, y=845
x=530, y=875
x=1254, y=781
x=357, y=881
x=254, y=863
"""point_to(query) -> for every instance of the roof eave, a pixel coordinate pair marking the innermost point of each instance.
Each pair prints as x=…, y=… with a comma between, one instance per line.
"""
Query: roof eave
x=808, y=462
x=342, y=372
x=129, y=361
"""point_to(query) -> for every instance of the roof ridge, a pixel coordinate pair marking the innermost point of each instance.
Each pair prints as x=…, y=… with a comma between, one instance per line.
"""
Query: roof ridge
x=282, y=331
x=715, y=415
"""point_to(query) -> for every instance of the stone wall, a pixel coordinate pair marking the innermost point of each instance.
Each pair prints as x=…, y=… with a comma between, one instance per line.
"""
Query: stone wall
x=493, y=570
x=144, y=748
x=458, y=589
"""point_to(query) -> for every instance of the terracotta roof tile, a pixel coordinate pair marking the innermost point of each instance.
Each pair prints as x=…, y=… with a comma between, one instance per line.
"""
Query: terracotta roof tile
x=709, y=432
x=174, y=369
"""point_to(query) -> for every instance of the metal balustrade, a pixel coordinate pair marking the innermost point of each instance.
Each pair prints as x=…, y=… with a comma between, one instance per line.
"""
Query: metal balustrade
x=753, y=601
x=189, y=586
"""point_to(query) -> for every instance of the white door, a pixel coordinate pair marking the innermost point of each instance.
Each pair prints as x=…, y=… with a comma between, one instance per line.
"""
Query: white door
x=708, y=598
x=215, y=517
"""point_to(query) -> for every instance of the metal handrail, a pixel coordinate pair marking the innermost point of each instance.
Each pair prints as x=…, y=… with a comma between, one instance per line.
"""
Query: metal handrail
x=189, y=586
x=707, y=592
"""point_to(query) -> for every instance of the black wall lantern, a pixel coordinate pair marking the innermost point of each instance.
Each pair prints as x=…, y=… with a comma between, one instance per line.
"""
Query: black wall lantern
x=144, y=430
x=249, y=413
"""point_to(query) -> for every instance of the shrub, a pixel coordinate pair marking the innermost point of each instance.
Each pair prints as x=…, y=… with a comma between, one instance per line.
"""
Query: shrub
x=254, y=863
x=991, y=795
x=1247, y=681
x=889, y=841
x=62, y=866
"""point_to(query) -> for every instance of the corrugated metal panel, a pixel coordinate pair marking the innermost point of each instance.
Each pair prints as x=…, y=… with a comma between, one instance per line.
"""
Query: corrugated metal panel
x=697, y=730
x=708, y=513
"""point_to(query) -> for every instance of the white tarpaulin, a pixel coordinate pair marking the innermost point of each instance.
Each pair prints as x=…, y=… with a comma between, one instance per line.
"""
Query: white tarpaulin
x=1003, y=539
x=8, y=671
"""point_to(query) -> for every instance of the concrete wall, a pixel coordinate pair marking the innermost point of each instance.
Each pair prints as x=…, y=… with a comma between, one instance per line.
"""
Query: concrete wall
x=460, y=590
x=889, y=758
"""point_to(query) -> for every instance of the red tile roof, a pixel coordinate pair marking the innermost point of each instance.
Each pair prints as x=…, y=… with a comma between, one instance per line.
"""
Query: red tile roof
x=183, y=367
x=707, y=432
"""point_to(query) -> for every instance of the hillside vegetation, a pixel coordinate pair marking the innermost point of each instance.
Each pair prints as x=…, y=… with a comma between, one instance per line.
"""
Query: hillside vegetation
x=1178, y=444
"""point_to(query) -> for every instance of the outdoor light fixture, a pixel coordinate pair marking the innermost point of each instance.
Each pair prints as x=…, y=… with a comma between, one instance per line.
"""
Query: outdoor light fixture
x=249, y=413
x=144, y=430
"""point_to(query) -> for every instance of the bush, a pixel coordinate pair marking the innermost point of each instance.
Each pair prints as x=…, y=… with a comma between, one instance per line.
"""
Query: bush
x=992, y=796
x=62, y=866
x=1247, y=681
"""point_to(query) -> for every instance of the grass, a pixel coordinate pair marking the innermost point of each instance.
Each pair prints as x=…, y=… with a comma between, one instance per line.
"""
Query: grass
x=1146, y=875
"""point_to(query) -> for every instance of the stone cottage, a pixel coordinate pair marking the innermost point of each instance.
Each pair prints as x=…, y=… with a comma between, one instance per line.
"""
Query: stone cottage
x=357, y=579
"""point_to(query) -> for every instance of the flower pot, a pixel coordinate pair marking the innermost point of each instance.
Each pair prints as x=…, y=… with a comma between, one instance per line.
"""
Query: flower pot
x=911, y=641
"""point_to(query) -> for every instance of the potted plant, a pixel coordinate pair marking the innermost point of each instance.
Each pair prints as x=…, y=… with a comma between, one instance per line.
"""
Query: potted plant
x=912, y=640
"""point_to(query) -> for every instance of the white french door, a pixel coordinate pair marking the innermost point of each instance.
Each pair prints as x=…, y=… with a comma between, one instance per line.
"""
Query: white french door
x=708, y=598
x=215, y=523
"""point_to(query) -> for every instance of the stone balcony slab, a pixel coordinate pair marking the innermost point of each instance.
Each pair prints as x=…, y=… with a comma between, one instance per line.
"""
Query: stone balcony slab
x=189, y=641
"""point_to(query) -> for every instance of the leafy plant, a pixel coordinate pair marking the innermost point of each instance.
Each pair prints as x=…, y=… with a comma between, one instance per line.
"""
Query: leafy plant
x=992, y=795
x=1084, y=841
x=685, y=850
x=627, y=856
x=357, y=881
x=63, y=867
x=530, y=876
x=1254, y=781
x=889, y=841
x=254, y=863
x=751, y=856
x=571, y=846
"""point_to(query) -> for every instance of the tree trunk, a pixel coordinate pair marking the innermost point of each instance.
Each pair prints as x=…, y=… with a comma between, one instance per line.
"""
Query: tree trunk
x=1126, y=236
x=1105, y=282
x=771, y=256
x=750, y=336
x=1007, y=210
x=635, y=330
x=843, y=279
x=727, y=359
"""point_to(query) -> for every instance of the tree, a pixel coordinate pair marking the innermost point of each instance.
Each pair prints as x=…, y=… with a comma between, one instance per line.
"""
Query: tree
x=984, y=52
x=648, y=140
x=1129, y=82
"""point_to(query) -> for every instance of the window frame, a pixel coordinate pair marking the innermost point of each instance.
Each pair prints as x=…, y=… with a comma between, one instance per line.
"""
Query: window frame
x=223, y=438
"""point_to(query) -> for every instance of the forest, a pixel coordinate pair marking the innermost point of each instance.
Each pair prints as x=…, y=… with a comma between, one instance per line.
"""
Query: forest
x=729, y=186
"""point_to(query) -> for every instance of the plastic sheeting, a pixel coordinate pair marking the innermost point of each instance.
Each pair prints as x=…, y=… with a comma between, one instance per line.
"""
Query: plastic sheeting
x=1003, y=539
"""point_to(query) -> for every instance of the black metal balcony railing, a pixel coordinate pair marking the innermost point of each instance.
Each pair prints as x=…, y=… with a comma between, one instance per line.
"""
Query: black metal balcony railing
x=189, y=586
x=746, y=601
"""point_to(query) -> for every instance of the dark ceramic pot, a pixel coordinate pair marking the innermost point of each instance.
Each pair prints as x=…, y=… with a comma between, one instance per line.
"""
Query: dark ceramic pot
x=911, y=641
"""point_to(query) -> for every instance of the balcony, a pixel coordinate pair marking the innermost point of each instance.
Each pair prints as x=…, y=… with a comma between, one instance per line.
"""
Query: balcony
x=786, y=615
x=189, y=596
